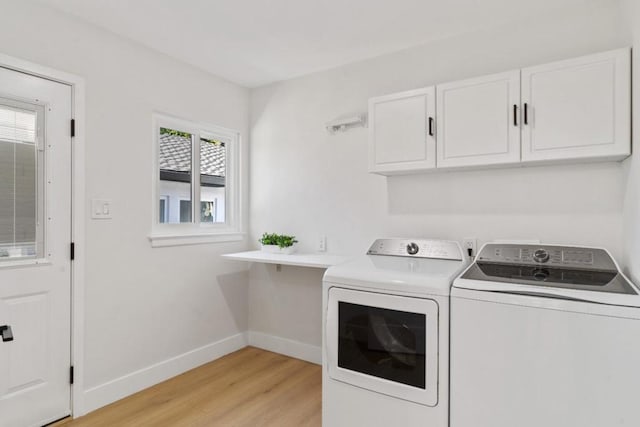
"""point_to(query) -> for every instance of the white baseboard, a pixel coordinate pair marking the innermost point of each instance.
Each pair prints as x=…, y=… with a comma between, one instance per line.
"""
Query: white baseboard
x=299, y=350
x=109, y=392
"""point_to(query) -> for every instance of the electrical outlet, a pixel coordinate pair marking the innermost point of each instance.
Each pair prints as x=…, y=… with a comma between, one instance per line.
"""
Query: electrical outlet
x=470, y=243
x=322, y=244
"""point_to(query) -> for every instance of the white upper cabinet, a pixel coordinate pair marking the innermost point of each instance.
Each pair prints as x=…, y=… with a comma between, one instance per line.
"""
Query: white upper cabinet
x=402, y=132
x=577, y=109
x=479, y=121
x=573, y=110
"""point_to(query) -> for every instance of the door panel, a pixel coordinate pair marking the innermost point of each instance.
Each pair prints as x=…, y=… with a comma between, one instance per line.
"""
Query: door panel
x=35, y=233
x=399, y=137
x=28, y=355
x=476, y=123
x=384, y=343
x=577, y=108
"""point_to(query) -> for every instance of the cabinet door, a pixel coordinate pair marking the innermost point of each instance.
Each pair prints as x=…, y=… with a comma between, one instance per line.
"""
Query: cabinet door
x=479, y=121
x=578, y=108
x=399, y=137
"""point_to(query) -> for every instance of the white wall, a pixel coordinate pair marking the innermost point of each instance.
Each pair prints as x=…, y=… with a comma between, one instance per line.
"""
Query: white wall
x=143, y=306
x=631, y=10
x=309, y=183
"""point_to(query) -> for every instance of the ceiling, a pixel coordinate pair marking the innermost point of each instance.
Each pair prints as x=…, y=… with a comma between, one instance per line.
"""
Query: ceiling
x=256, y=42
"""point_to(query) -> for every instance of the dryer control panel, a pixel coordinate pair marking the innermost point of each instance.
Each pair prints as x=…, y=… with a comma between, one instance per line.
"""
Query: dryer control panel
x=417, y=248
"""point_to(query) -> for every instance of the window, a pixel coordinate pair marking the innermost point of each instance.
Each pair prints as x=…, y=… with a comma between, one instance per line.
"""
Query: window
x=195, y=207
x=207, y=211
x=164, y=209
x=185, y=210
x=21, y=180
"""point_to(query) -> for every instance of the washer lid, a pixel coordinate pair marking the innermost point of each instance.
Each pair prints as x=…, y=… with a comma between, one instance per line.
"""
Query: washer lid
x=393, y=273
x=564, y=278
x=586, y=274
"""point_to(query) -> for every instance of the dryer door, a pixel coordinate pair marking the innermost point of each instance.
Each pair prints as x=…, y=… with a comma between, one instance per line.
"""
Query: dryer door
x=384, y=343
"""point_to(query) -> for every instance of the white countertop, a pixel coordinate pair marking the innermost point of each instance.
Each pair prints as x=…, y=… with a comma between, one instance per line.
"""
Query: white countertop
x=314, y=260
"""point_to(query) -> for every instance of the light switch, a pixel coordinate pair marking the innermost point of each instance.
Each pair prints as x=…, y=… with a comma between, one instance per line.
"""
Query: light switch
x=101, y=209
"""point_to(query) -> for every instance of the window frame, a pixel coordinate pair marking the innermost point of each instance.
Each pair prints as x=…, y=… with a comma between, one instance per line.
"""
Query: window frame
x=194, y=232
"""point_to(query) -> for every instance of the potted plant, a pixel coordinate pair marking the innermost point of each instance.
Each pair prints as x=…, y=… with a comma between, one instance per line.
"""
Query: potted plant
x=278, y=243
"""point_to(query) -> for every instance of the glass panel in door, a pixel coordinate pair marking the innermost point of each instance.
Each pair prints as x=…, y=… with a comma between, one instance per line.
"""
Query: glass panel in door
x=384, y=343
x=21, y=180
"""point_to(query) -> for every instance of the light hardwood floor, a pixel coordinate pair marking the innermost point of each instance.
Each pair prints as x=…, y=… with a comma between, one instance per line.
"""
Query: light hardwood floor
x=250, y=387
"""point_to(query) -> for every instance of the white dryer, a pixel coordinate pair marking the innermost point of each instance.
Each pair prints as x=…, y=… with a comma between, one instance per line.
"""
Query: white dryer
x=386, y=335
x=544, y=335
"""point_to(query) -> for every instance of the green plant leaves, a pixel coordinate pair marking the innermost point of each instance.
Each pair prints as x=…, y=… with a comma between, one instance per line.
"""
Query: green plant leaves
x=282, y=240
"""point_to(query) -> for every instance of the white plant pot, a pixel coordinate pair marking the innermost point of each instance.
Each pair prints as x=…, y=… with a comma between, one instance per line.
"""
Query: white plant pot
x=289, y=250
x=275, y=249
x=272, y=249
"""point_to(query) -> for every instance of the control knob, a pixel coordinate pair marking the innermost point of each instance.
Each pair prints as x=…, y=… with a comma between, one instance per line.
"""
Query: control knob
x=540, y=274
x=541, y=255
x=412, y=248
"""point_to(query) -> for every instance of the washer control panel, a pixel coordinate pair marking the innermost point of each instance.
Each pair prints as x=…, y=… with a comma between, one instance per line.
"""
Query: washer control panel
x=547, y=255
x=418, y=248
x=541, y=255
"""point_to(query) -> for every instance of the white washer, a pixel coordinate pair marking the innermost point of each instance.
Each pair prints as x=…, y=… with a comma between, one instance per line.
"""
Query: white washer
x=544, y=335
x=386, y=335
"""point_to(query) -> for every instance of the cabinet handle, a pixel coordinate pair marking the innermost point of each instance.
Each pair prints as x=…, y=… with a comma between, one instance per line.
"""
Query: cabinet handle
x=526, y=113
x=515, y=115
x=430, y=126
x=6, y=333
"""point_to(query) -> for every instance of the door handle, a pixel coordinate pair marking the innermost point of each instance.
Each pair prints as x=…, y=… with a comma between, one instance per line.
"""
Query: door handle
x=430, y=126
x=515, y=115
x=526, y=113
x=6, y=333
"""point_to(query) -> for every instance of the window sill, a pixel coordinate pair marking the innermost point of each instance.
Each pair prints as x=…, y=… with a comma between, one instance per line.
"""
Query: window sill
x=17, y=262
x=159, y=240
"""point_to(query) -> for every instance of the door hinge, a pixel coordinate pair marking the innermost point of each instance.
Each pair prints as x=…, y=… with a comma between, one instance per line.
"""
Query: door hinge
x=71, y=375
x=73, y=127
x=72, y=251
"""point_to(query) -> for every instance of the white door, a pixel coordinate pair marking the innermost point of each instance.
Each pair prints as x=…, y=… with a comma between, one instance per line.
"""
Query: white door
x=384, y=343
x=35, y=230
x=479, y=121
x=578, y=108
x=402, y=132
